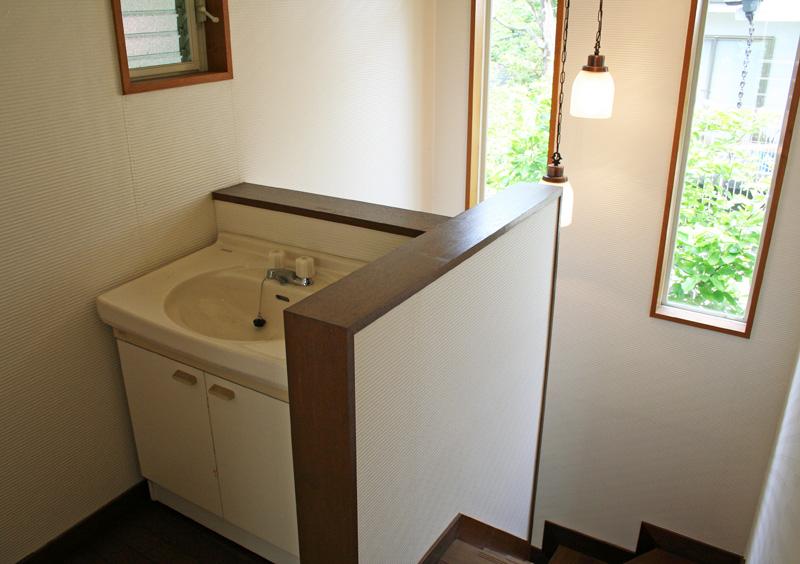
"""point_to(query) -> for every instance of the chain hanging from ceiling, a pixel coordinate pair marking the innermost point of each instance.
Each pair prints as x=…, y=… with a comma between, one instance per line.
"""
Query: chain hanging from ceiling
x=562, y=77
x=749, y=7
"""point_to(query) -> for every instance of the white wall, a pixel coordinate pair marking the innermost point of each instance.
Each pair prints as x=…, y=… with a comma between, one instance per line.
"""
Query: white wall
x=648, y=419
x=446, y=194
x=362, y=100
x=98, y=188
x=447, y=400
x=775, y=537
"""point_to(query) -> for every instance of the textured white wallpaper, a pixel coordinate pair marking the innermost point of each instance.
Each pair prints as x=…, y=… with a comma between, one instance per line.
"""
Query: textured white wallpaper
x=648, y=419
x=447, y=395
x=775, y=536
x=361, y=100
x=96, y=188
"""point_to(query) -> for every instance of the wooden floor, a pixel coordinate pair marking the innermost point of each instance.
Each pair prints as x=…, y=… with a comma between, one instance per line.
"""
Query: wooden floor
x=145, y=532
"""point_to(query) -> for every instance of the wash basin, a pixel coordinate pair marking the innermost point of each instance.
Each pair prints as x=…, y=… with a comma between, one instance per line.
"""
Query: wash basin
x=201, y=308
x=223, y=304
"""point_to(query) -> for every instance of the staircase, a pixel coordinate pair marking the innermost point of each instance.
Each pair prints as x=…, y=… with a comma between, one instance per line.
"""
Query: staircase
x=566, y=555
x=468, y=541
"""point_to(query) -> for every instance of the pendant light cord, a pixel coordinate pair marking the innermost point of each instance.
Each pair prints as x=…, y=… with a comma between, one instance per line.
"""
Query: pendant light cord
x=562, y=78
x=599, y=30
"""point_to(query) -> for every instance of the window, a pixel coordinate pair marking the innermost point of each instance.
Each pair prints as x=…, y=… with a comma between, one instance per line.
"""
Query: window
x=720, y=71
x=167, y=43
x=513, y=58
x=161, y=37
x=735, y=118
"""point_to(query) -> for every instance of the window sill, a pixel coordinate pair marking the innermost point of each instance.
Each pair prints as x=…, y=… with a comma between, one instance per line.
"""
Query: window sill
x=160, y=83
x=702, y=320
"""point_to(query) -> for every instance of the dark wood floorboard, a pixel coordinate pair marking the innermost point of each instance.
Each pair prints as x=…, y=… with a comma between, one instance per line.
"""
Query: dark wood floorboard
x=149, y=532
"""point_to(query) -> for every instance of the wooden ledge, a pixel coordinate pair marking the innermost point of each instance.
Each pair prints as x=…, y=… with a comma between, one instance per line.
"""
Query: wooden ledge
x=350, y=212
x=357, y=300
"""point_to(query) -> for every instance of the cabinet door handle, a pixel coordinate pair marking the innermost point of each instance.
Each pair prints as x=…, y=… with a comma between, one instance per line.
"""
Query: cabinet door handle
x=185, y=378
x=221, y=392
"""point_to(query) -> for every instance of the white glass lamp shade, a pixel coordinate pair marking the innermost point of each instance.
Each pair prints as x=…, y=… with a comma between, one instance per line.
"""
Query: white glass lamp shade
x=592, y=95
x=567, y=202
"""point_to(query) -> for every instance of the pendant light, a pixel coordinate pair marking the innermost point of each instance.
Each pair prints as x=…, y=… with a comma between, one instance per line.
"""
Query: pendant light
x=555, y=170
x=593, y=89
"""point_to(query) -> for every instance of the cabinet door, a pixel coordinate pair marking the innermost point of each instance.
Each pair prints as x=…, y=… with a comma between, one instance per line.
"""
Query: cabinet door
x=254, y=458
x=169, y=412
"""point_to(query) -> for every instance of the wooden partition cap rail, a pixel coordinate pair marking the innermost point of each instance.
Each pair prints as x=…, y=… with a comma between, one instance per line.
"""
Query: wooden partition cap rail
x=360, y=214
x=357, y=300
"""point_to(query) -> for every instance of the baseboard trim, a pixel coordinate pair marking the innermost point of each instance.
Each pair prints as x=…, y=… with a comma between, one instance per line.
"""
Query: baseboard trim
x=65, y=543
x=555, y=535
x=222, y=527
x=480, y=535
x=652, y=537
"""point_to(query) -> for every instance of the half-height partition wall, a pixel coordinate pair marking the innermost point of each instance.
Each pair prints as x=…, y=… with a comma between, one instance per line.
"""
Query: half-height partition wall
x=416, y=385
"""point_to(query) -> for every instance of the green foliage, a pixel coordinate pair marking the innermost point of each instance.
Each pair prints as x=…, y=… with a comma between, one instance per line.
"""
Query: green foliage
x=519, y=97
x=722, y=210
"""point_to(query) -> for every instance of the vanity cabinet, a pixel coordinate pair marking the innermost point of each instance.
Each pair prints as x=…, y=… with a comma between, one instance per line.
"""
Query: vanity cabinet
x=252, y=439
x=219, y=445
x=169, y=413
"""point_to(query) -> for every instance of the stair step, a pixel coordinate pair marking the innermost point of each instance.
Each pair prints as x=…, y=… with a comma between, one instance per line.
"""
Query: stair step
x=659, y=556
x=566, y=555
x=461, y=552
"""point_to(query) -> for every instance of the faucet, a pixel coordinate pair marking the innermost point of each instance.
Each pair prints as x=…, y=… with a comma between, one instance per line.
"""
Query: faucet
x=288, y=276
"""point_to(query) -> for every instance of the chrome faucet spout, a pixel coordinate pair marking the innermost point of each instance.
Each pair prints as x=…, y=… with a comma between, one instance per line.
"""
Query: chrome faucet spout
x=287, y=276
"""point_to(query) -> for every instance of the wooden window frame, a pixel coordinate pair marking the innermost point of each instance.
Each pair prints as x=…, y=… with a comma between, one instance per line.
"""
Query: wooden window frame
x=658, y=308
x=217, y=51
x=479, y=45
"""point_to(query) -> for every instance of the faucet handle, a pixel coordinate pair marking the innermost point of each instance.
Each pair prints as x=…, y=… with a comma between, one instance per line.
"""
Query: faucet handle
x=275, y=259
x=304, y=267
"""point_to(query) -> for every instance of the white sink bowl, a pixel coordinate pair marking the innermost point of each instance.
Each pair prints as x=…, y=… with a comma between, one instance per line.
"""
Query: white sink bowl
x=223, y=304
x=200, y=309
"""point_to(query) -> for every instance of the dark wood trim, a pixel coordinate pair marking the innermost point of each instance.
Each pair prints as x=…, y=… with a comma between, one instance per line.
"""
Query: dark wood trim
x=477, y=48
x=218, y=54
x=540, y=434
x=58, y=549
x=479, y=535
x=555, y=535
x=780, y=171
x=673, y=159
x=652, y=537
x=785, y=144
x=357, y=300
x=319, y=335
x=477, y=54
x=468, y=193
x=319, y=361
x=350, y=212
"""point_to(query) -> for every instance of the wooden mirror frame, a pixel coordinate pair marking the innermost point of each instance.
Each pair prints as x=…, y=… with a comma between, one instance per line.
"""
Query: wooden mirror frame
x=218, y=54
x=686, y=317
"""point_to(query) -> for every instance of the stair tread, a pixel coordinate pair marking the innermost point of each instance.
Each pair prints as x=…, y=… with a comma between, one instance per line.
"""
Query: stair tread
x=461, y=552
x=659, y=556
x=565, y=555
